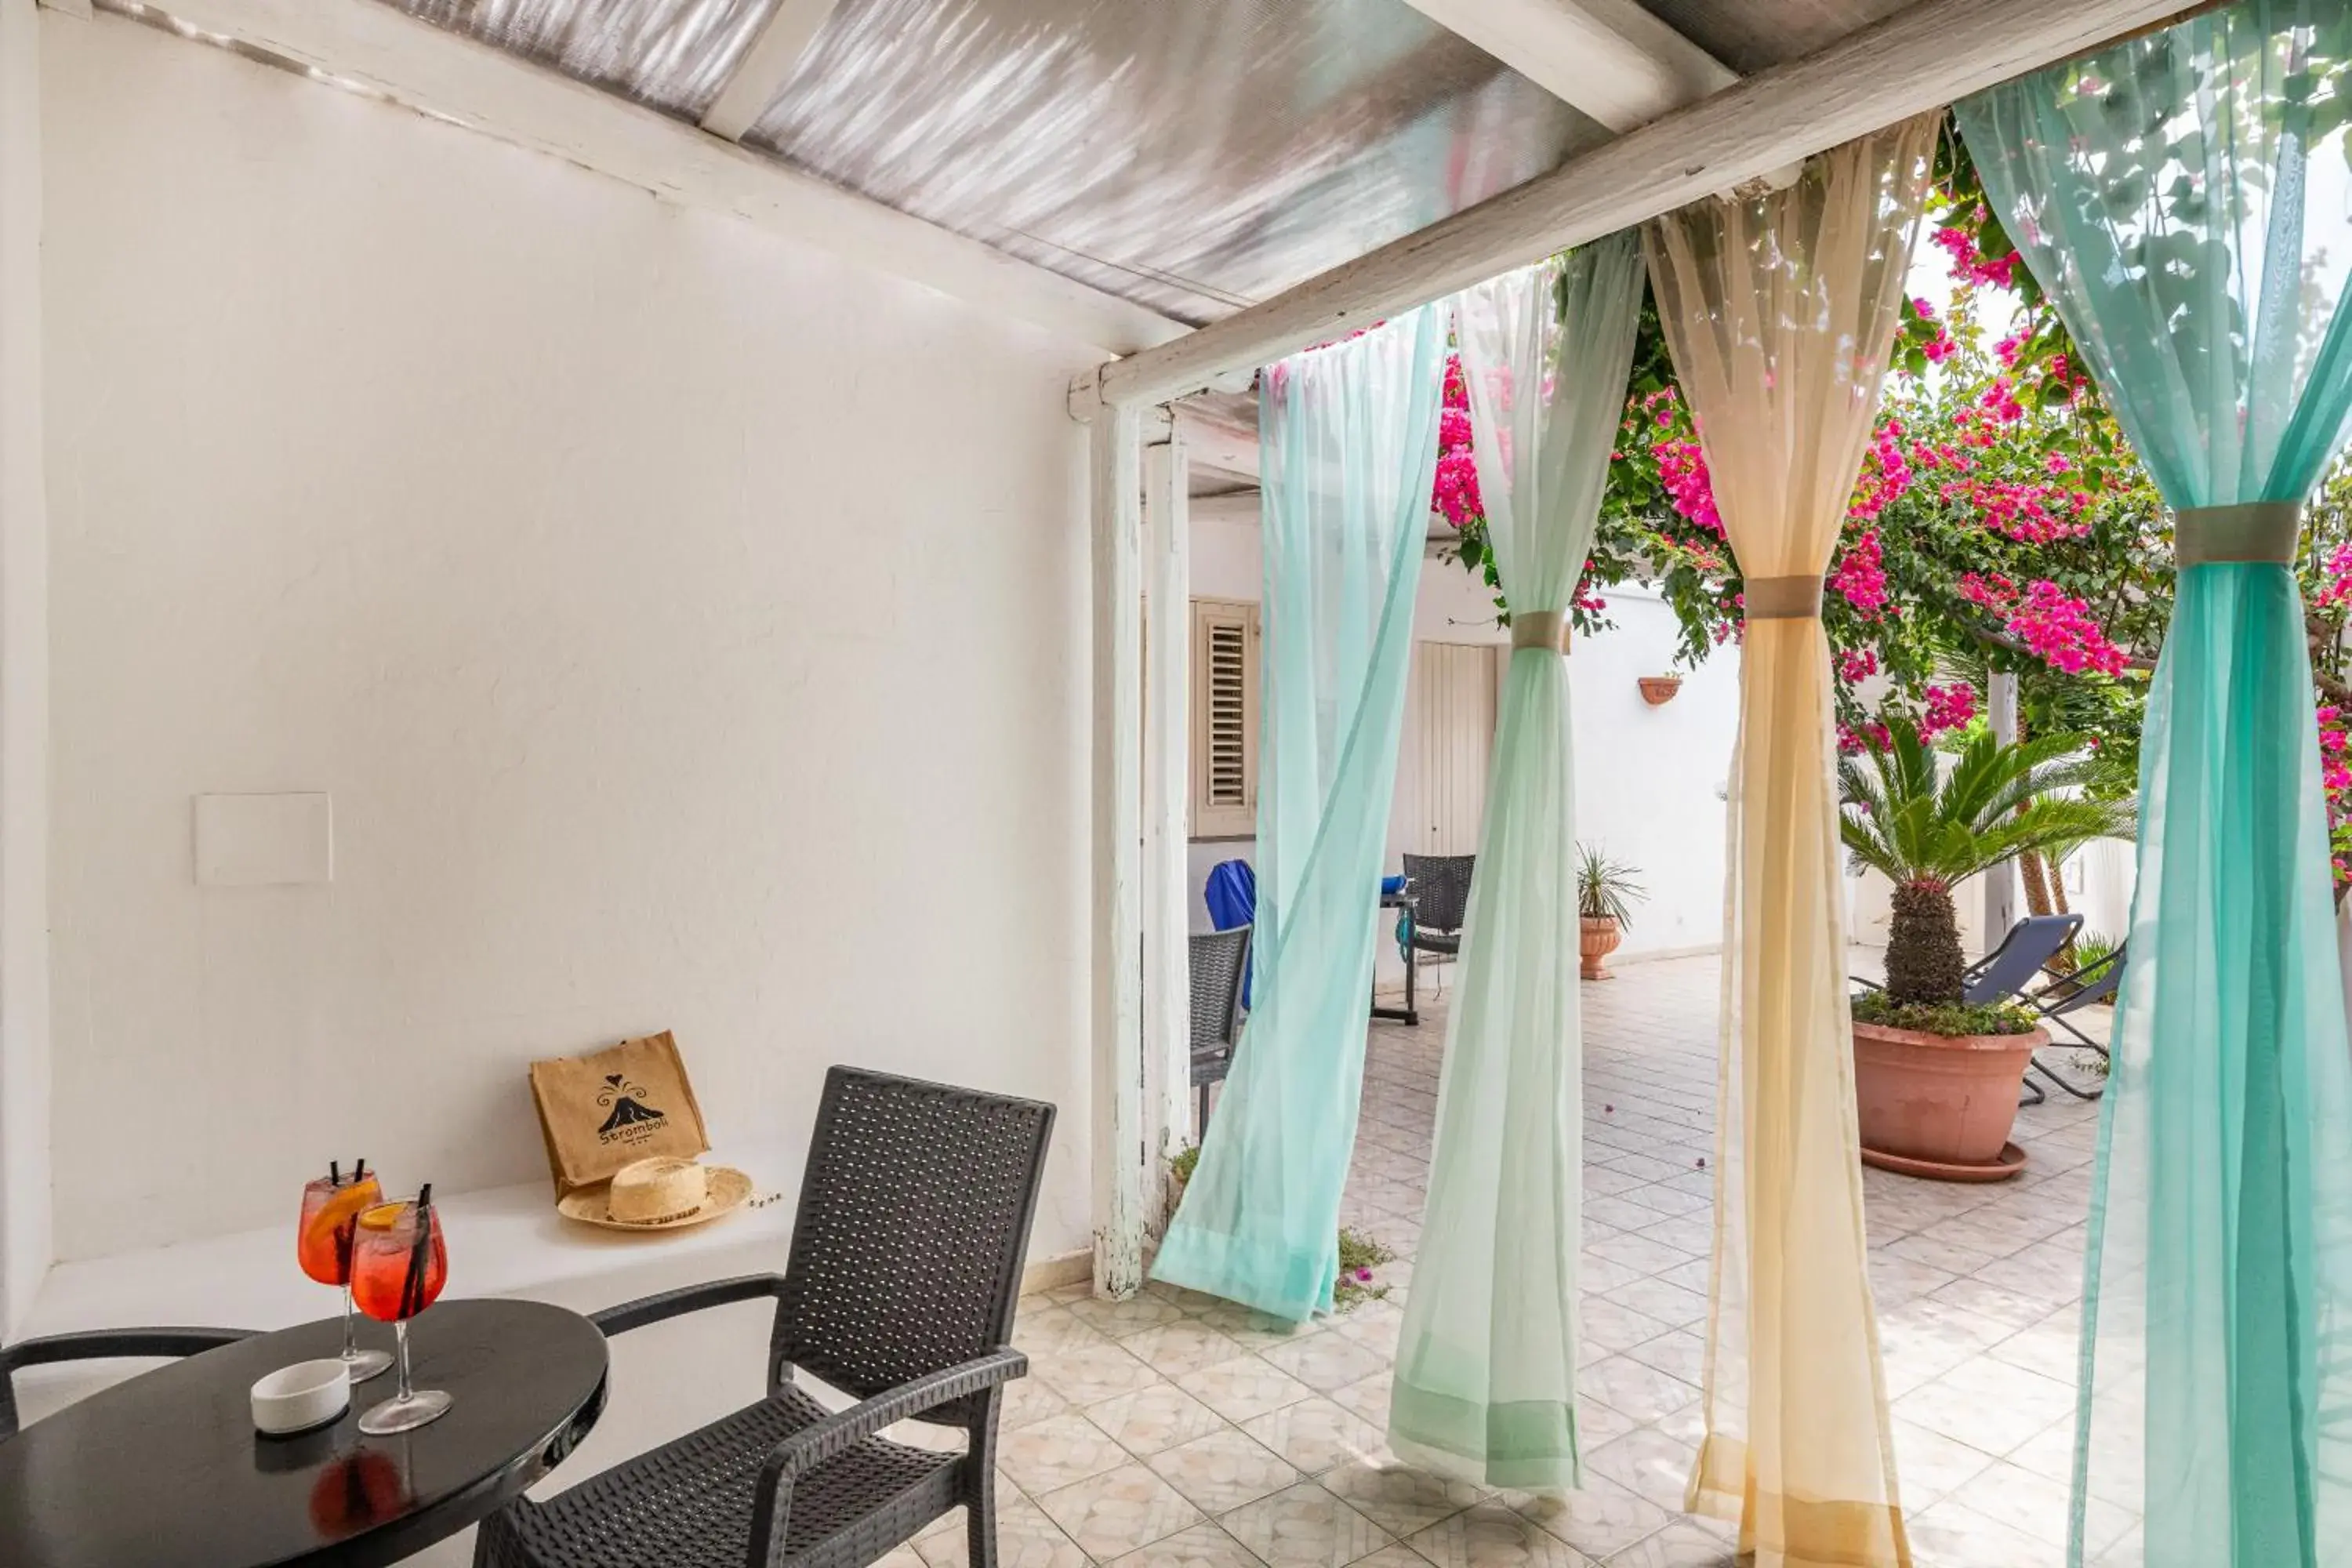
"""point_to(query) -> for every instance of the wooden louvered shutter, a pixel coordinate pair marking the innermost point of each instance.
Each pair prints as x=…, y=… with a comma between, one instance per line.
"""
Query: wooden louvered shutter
x=1225, y=719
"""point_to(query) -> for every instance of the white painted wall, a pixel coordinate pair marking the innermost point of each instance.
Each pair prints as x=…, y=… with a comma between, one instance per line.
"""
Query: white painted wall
x=689, y=629
x=1648, y=779
x=24, y=1065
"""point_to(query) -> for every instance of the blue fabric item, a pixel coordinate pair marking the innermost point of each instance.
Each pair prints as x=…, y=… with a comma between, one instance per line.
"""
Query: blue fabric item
x=1232, y=898
x=2185, y=200
x=1348, y=454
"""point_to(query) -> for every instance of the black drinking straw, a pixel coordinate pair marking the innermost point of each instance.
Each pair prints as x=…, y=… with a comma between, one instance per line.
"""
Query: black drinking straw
x=412, y=1285
x=334, y=1172
x=359, y=1170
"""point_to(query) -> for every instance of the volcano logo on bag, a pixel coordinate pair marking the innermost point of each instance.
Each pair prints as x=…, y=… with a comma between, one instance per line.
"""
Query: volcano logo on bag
x=631, y=1117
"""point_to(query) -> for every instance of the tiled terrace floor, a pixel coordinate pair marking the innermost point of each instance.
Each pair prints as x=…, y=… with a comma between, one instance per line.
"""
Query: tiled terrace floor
x=1174, y=1431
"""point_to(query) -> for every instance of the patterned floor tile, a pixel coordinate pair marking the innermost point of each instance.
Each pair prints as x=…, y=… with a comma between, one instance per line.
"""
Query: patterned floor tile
x=1115, y=1513
x=1648, y=1462
x=1304, y=1527
x=1244, y=1387
x=1174, y=1349
x=1326, y=1361
x=1224, y=1470
x=1599, y=1519
x=1682, y=1545
x=1202, y=1546
x=1092, y=1373
x=1314, y=1434
x=1058, y=1451
x=1158, y=1417
x=1028, y=1399
x=1400, y=1499
x=1025, y=1537
x=1132, y=1316
x=1491, y=1536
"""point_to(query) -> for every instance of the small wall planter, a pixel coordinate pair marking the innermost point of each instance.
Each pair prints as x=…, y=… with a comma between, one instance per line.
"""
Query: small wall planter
x=1659, y=690
x=1596, y=940
x=1940, y=1106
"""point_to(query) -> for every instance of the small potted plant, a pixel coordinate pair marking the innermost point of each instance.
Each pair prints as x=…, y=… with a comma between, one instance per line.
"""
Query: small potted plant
x=1936, y=1076
x=1657, y=690
x=1606, y=893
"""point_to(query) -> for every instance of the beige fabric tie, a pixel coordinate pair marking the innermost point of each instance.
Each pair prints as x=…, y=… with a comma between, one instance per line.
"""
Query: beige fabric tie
x=1797, y=598
x=2254, y=531
x=1540, y=629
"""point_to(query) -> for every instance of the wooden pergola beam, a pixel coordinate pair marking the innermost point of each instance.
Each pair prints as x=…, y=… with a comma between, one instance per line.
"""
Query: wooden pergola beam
x=1913, y=62
x=765, y=67
x=1610, y=59
x=381, y=50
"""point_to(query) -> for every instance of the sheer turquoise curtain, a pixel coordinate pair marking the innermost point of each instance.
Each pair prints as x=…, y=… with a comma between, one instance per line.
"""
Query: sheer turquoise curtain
x=1347, y=454
x=1486, y=1370
x=2184, y=198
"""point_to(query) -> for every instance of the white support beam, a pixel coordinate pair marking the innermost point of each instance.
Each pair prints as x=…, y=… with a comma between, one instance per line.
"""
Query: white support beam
x=27, y=1235
x=1215, y=445
x=1609, y=58
x=378, y=49
x=1121, y=1153
x=1166, y=799
x=765, y=67
x=1917, y=60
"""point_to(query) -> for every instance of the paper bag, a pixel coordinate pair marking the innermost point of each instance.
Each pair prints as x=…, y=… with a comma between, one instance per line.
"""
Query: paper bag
x=600, y=1112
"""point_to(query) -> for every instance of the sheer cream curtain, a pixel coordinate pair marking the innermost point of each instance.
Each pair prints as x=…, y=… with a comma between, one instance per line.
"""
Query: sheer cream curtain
x=1780, y=313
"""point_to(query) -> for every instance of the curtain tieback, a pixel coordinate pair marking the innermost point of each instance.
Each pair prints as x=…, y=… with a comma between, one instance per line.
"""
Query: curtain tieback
x=1797, y=598
x=1540, y=629
x=2254, y=531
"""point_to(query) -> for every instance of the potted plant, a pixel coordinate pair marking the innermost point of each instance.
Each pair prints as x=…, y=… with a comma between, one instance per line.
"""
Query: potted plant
x=1936, y=1079
x=1659, y=690
x=1606, y=893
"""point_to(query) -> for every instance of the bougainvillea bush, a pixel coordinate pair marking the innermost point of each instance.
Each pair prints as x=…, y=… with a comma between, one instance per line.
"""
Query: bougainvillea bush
x=2000, y=522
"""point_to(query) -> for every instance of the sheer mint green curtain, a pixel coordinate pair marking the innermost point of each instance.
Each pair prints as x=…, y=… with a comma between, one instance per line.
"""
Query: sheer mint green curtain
x=2184, y=198
x=1347, y=453
x=1485, y=1370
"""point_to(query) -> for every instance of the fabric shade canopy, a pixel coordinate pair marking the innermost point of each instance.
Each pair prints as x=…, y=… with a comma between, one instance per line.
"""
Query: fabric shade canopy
x=1347, y=453
x=2185, y=200
x=1485, y=1372
x=1780, y=313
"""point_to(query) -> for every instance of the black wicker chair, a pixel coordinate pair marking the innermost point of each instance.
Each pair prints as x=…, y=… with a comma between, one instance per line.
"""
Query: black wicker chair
x=906, y=1262
x=100, y=1344
x=1441, y=889
x=1219, y=964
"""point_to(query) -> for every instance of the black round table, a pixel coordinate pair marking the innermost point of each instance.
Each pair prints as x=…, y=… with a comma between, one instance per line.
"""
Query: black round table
x=164, y=1470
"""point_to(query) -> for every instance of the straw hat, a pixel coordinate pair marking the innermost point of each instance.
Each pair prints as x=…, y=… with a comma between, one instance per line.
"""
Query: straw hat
x=659, y=1195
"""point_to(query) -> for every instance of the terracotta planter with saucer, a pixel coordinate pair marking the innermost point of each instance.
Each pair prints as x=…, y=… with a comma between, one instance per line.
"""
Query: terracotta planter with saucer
x=1596, y=940
x=1940, y=1106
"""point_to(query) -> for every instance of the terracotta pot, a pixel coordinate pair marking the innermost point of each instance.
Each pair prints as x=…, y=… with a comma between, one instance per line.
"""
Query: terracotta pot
x=1659, y=690
x=1940, y=1105
x=1595, y=940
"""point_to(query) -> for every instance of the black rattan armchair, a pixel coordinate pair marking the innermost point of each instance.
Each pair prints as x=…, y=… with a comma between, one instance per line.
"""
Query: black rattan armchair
x=906, y=1263
x=100, y=1344
x=1219, y=961
x=1441, y=889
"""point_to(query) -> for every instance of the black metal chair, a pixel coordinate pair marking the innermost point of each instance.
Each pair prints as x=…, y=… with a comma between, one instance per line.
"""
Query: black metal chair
x=1441, y=889
x=1220, y=966
x=906, y=1263
x=100, y=1344
x=2092, y=983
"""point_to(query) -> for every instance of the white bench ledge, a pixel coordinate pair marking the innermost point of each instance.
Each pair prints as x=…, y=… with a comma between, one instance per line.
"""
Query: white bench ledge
x=503, y=1241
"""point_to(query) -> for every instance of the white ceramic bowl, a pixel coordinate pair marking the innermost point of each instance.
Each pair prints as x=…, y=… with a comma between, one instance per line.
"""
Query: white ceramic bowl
x=296, y=1398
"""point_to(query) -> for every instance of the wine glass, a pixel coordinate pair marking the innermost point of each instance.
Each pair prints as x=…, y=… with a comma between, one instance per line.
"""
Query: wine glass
x=322, y=1245
x=399, y=1264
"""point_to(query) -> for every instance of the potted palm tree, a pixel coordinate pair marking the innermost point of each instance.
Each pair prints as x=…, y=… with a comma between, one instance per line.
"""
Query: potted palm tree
x=1935, y=1077
x=1606, y=893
